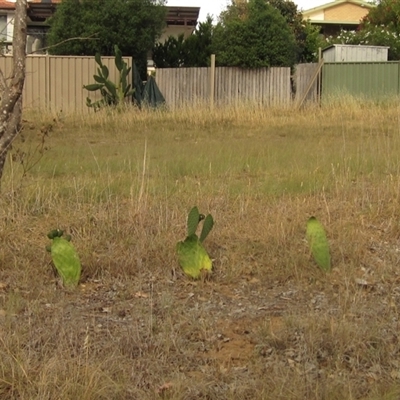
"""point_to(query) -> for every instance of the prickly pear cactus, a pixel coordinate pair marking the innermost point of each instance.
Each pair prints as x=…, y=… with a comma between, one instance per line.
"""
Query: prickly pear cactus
x=112, y=94
x=319, y=244
x=65, y=258
x=192, y=256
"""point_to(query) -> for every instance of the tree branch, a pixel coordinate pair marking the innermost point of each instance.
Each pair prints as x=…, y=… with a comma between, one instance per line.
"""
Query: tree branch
x=67, y=40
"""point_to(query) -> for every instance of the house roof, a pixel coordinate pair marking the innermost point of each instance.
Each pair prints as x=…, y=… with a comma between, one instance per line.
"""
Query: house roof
x=6, y=5
x=40, y=10
x=335, y=3
x=10, y=5
x=182, y=15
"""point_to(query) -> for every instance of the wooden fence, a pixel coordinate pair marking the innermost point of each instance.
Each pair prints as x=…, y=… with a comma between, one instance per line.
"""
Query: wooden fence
x=302, y=78
x=233, y=86
x=56, y=82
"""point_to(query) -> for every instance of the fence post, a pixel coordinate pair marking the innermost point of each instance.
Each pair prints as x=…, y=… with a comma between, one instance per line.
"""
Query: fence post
x=319, y=87
x=47, y=83
x=212, y=81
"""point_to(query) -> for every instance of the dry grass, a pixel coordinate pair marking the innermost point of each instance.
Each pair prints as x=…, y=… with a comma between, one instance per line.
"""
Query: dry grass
x=269, y=324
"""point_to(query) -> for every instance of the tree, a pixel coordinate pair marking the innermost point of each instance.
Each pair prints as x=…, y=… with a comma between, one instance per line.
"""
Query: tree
x=307, y=36
x=386, y=13
x=132, y=25
x=194, y=51
x=253, y=35
x=198, y=47
x=11, y=100
x=170, y=53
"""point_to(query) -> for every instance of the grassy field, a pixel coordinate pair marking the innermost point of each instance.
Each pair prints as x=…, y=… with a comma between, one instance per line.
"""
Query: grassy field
x=268, y=324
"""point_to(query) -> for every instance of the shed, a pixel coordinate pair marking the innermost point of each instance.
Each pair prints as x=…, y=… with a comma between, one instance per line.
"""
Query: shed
x=355, y=53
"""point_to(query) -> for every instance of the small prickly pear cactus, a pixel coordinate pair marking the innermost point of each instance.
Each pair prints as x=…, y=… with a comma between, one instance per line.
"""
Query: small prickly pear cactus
x=113, y=94
x=65, y=258
x=318, y=243
x=192, y=256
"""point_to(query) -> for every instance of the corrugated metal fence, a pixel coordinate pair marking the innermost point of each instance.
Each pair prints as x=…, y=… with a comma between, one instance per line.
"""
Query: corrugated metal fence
x=372, y=80
x=56, y=82
x=267, y=86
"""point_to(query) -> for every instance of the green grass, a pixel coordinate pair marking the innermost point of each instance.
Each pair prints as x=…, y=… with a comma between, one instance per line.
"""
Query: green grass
x=268, y=324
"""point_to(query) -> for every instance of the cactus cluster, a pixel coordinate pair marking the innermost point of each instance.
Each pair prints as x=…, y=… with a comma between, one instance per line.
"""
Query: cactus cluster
x=192, y=256
x=112, y=94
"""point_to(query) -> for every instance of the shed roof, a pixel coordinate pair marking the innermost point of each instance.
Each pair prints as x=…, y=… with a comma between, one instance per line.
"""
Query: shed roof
x=355, y=45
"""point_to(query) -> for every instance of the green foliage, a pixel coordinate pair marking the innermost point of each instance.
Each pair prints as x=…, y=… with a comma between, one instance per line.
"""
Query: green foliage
x=386, y=13
x=313, y=41
x=192, y=256
x=133, y=25
x=253, y=35
x=169, y=54
x=65, y=258
x=113, y=94
x=194, y=51
x=306, y=35
x=319, y=244
x=198, y=46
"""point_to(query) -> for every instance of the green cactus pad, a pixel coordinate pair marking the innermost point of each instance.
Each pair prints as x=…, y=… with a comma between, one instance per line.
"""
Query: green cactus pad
x=193, y=258
x=319, y=244
x=207, y=226
x=93, y=87
x=66, y=261
x=193, y=221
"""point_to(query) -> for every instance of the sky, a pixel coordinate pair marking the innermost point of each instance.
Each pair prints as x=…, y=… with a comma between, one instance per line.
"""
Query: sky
x=214, y=7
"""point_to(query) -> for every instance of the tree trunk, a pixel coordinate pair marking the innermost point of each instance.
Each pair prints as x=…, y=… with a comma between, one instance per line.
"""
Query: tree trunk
x=11, y=98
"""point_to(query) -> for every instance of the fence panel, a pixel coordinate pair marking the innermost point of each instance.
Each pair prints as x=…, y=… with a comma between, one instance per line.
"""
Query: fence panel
x=56, y=82
x=267, y=86
x=182, y=86
x=302, y=78
x=371, y=80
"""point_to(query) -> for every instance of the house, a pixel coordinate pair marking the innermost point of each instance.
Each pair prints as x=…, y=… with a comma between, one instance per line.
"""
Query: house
x=178, y=20
x=337, y=15
x=38, y=11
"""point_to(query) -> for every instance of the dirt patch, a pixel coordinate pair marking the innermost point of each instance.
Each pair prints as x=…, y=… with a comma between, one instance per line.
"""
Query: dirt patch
x=234, y=343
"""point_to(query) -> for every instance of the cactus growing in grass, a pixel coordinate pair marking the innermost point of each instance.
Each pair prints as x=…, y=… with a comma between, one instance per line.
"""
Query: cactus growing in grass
x=113, y=94
x=192, y=256
x=319, y=244
x=65, y=258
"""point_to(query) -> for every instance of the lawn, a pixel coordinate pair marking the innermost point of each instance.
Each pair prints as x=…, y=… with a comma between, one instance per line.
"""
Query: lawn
x=268, y=323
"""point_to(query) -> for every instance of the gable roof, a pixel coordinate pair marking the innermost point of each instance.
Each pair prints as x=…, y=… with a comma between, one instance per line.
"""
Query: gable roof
x=335, y=3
